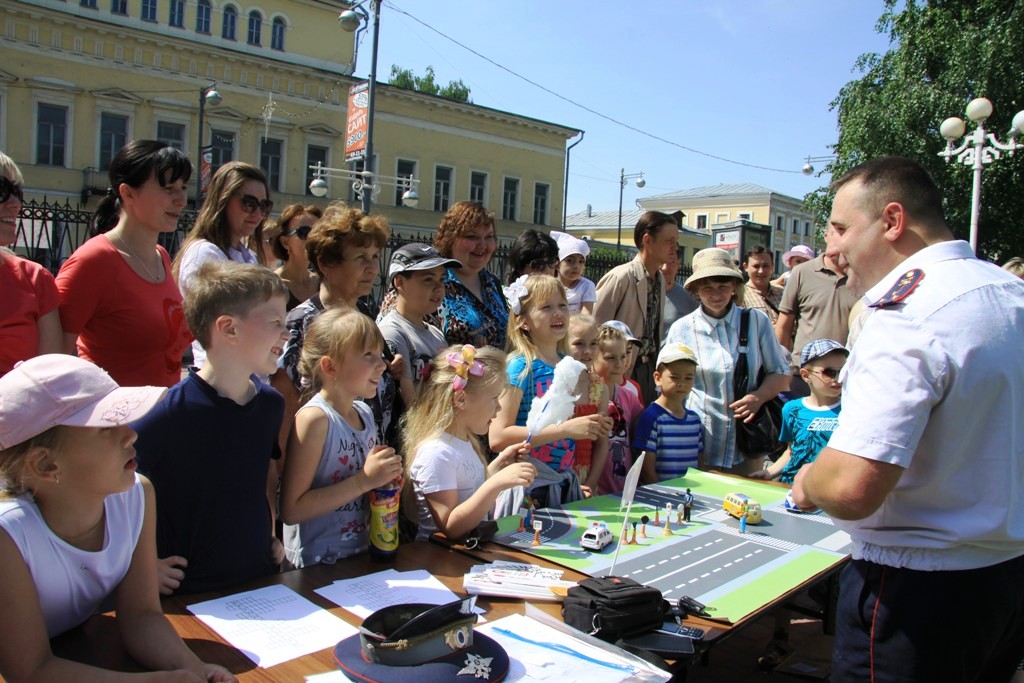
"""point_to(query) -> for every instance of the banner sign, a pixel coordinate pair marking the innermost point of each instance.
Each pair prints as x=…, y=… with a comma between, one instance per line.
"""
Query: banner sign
x=205, y=169
x=358, y=118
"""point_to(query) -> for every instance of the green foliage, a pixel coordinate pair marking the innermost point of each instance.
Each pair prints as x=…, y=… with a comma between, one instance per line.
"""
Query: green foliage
x=405, y=78
x=944, y=54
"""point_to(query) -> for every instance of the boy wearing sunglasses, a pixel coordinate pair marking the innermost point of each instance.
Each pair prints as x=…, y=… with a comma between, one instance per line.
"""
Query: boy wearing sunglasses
x=808, y=423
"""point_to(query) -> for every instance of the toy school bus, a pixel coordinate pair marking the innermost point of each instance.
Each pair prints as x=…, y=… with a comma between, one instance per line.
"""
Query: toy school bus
x=733, y=504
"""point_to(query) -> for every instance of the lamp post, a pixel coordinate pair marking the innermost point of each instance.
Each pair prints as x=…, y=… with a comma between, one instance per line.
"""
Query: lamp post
x=207, y=95
x=975, y=153
x=623, y=179
x=808, y=168
x=365, y=184
x=350, y=20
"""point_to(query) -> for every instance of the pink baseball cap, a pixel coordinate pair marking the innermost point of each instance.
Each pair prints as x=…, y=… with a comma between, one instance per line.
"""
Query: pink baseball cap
x=57, y=389
x=801, y=250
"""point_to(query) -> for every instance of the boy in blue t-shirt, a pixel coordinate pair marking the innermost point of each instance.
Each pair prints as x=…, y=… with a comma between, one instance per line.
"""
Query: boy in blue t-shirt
x=808, y=423
x=671, y=435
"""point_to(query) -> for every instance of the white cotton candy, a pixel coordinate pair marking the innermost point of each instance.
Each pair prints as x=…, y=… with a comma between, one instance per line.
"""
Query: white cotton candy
x=558, y=403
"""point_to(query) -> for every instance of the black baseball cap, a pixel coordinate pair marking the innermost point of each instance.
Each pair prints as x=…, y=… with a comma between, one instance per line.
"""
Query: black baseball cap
x=417, y=256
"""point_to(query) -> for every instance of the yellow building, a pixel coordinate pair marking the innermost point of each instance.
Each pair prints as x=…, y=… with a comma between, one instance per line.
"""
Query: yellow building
x=601, y=228
x=82, y=77
x=714, y=205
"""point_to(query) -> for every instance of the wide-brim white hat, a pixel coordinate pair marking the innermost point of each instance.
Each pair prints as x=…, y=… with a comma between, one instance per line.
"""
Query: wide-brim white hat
x=713, y=262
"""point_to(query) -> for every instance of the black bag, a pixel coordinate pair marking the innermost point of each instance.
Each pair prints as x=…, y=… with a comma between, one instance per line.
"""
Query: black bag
x=611, y=607
x=760, y=436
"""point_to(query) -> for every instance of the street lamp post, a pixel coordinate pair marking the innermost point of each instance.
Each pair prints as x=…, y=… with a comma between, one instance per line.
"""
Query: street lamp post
x=365, y=184
x=350, y=20
x=207, y=95
x=975, y=153
x=623, y=179
x=808, y=168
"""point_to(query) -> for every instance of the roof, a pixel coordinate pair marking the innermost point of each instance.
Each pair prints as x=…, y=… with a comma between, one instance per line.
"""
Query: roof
x=721, y=190
x=610, y=219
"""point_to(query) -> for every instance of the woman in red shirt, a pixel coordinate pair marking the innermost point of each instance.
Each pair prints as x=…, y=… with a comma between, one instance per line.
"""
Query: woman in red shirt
x=29, y=322
x=120, y=305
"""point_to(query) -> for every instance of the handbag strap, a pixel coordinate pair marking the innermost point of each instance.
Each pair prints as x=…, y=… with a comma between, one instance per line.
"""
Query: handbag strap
x=740, y=376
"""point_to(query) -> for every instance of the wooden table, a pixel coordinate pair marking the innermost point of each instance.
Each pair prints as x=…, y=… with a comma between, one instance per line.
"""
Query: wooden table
x=97, y=641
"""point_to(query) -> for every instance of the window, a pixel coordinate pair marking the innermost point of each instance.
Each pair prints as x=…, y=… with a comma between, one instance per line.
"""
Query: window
x=778, y=259
x=230, y=20
x=746, y=215
x=255, y=27
x=277, y=34
x=702, y=221
x=51, y=134
x=270, y=161
x=807, y=228
x=721, y=217
x=177, y=14
x=149, y=10
x=442, y=188
x=113, y=136
x=796, y=226
x=203, y=16
x=510, y=199
x=478, y=187
x=171, y=134
x=91, y=4
x=117, y=6
x=540, y=203
x=405, y=169
x=314, y=154
x=779, y=225
x=223, y=149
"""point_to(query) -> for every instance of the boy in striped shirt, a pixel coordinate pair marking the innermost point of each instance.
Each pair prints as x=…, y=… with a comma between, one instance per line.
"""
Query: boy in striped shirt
x=671, y=435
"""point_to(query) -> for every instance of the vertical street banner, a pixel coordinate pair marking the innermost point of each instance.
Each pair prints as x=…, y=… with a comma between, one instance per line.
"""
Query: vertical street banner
x=205, y=169
x=358, y=118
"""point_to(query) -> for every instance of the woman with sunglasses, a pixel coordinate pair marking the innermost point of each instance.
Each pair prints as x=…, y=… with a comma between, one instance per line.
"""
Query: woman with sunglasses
x=120, y=306
x=712, y=331
x=29, y=319
x=289, y=245
x=233, y=213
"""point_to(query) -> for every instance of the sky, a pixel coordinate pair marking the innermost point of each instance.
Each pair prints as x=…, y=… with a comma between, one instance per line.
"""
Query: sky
x=746, y=80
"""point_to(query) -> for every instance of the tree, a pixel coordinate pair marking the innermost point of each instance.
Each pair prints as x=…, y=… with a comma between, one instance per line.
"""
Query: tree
x=405, y=78
x=944, y=54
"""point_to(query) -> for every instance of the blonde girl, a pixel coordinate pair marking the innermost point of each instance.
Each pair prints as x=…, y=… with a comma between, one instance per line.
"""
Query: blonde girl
x=333, y=457
x=454, y=485
x=593, y=392
x=538, y=327
x=622, y=407
x=78, y=525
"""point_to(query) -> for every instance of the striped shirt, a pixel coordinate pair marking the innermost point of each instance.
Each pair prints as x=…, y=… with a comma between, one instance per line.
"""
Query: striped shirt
x=673, y=440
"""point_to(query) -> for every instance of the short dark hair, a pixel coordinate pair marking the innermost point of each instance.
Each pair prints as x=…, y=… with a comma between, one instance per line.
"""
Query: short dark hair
x=531, y=245
x=897, y=179
x=290, y=213
x=650, y=223
x=758, y=250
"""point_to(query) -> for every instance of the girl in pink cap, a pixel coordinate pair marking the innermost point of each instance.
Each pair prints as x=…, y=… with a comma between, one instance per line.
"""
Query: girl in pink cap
x=77, y=524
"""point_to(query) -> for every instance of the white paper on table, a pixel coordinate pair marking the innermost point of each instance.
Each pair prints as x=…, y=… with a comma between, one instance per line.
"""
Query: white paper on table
x=273, y=624
x=529, y=662
x=329, y=677
x=365, y=595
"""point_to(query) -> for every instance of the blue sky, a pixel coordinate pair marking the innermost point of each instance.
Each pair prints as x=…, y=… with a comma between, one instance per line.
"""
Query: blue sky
x=748, y=80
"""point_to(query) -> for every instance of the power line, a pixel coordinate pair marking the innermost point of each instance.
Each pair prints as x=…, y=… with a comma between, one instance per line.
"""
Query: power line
x=585, y=107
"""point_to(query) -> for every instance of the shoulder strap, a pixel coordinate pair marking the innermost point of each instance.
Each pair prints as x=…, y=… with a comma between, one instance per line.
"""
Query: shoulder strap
x=744, y=328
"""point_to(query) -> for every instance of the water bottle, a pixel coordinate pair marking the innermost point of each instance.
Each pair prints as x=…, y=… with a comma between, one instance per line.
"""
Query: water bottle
x=384, y=523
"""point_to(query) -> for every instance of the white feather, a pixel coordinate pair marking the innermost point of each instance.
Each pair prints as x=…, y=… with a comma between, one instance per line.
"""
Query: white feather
x=558, y=403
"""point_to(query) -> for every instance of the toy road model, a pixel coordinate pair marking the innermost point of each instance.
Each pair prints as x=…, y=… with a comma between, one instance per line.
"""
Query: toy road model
x=734, y=502
x=596, y=537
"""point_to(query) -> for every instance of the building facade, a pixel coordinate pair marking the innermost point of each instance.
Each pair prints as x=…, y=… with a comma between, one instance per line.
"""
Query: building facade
x=82, y=77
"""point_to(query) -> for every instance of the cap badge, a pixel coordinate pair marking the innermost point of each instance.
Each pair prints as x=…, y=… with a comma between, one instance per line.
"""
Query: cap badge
x=479, y=667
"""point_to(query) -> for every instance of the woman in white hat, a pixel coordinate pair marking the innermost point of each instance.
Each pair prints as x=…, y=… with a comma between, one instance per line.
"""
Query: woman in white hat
x=712, y=331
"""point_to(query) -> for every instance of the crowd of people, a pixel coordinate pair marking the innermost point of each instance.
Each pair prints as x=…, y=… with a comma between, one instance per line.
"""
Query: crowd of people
x=301, y=398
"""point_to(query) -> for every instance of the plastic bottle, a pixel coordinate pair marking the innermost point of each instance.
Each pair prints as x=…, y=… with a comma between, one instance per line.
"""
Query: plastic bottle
x=384, y=523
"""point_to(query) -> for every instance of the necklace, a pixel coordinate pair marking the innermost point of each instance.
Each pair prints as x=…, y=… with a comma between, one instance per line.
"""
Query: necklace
x=142, y=263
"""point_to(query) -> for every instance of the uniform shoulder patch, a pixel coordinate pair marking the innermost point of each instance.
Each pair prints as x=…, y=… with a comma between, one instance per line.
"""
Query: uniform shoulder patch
x=901, y=290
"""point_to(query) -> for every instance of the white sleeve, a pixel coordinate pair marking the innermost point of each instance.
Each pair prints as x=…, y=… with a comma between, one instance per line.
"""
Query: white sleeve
x=898, y=361
x=198, y=253
x=588, y=291
x=434, y=468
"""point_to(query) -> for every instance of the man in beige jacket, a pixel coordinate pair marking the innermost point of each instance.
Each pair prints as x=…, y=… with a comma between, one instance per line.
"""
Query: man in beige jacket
x=634, y=292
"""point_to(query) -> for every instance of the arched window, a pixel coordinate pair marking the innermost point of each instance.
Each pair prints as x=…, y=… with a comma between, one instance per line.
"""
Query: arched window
x=203, y=16
x=255, y=27
x=277, y=34
x=230, y=20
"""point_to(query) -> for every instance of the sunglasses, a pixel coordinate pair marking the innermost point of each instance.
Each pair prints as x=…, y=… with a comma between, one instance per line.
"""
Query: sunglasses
x=830, y=373
x=8, y=188
x=302, y=232
x=251, y=204
x=542, y=264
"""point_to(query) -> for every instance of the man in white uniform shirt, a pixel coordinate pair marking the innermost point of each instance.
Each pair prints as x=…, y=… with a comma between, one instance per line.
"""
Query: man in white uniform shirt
x=927, y=465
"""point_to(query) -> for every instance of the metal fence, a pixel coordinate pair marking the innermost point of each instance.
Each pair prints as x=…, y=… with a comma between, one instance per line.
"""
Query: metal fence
x=48, y=233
